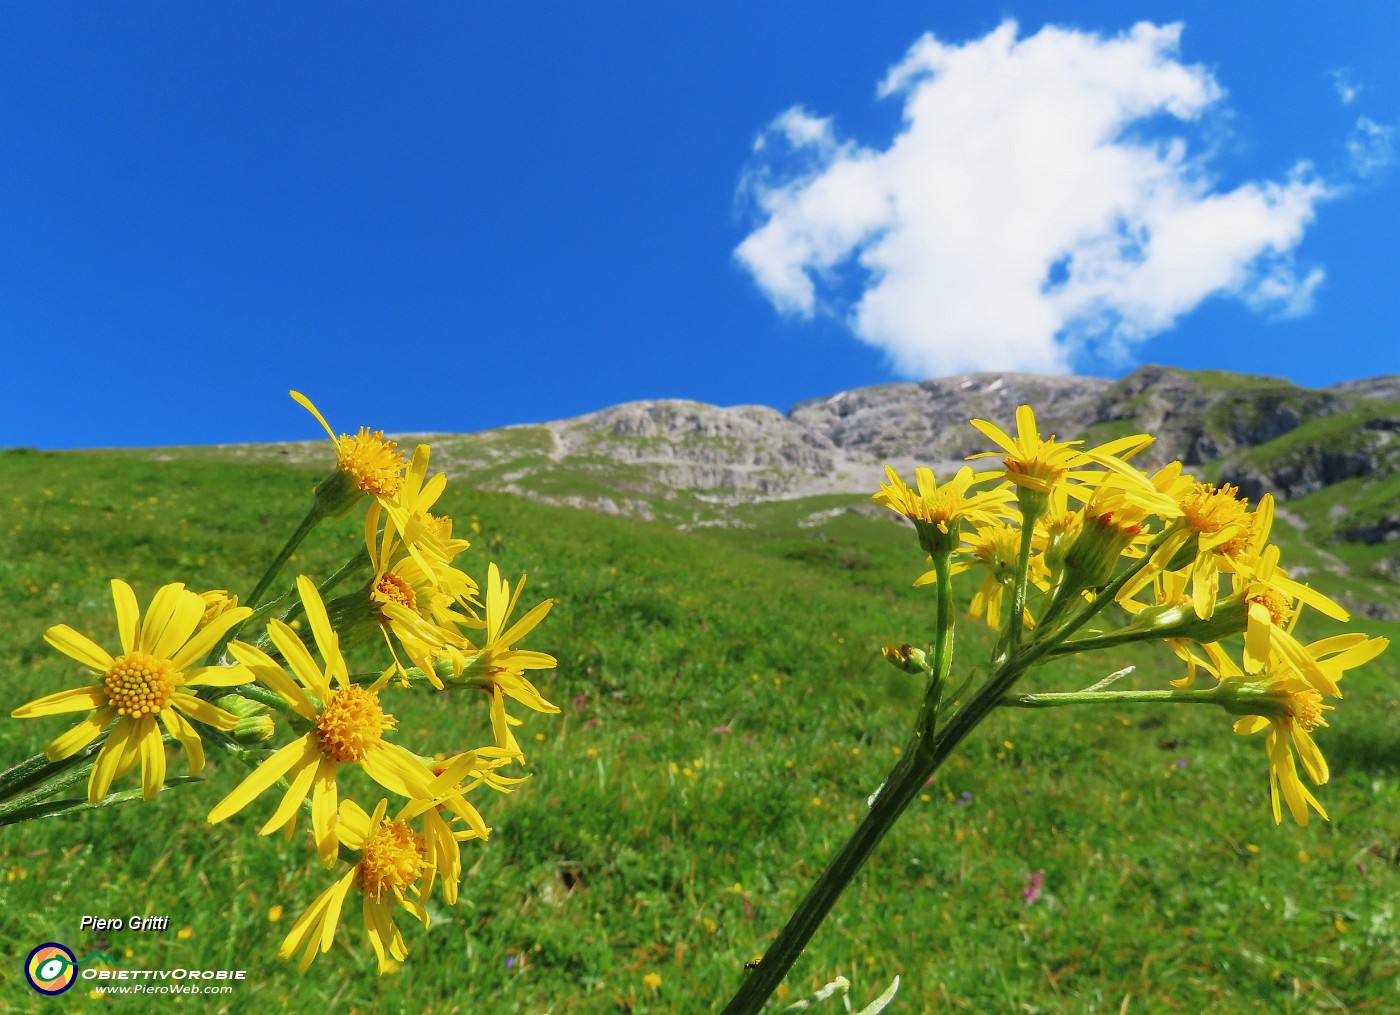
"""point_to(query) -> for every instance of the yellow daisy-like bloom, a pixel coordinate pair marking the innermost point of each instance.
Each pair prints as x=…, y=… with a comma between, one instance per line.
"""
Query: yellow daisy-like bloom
x=1223, y=529
x=498, y=667
x=1170, y=592
x=1302, y=711
x=1275, y=602
x=1041, y=464
x=939, y=512
x=414, y=604
x=395, y=870
x=374, y=465
x=460, y=775
x=424, y=536
x=347, y=722
x=998, y=548
x=1297, y=710
x=150, y=678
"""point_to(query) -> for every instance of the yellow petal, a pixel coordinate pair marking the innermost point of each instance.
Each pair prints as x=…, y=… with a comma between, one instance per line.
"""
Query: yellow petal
x=208, y=636
x=302, y=777
x=104, y=770
x=375, y=917
x=324, y=804
x=397, y=770
x=326, y=638
x=1257, y=637
x=1026, y=431
x=1205, y=585
x=515, y=685
x=261, y=666
x=80, y=736
x=152, y=749
x=188, y=738
x=305, y=403
x=496, y=595
x=299, y=659
x=1313, y=761
x=302, y=751
x=131, y=754
x=354, y=824
x=77, y=699
x=198, y=708
x=1250, y=724
x=526, y=623
x=334, y=901
x=80, y=647
x=128, y=615
x=217, y=676
x=525, y=659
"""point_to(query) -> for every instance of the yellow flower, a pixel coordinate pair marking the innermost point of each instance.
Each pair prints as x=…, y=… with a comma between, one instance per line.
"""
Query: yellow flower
x=1275, y=603
x=1170, y=594
x=938, y=512
x=149, y=679
x=1295, y=709
x=1220, y=528
x=371, y=463
x=347, y=728
x=395, y=868
x=498, y=667
x=414, y=605
x=425, y=536
x=1041, y=464
x=652, y=980
x=998, y=549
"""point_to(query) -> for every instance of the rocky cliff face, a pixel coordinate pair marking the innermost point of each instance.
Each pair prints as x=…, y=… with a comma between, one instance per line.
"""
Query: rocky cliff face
x=841, y=442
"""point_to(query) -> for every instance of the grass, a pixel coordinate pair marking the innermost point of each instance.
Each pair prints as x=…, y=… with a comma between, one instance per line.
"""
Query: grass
x=725, y=716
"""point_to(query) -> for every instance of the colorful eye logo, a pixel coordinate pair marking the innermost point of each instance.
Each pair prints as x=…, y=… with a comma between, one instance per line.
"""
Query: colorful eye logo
x=51, y=968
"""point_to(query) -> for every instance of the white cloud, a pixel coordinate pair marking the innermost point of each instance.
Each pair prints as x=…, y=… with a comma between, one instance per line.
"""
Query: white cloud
x=1371, y=147
x=1344, y=81
x=1028, y=210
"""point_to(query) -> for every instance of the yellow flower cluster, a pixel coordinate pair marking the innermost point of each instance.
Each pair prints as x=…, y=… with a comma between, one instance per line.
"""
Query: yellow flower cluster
x=424, y=609
x=1068, y=531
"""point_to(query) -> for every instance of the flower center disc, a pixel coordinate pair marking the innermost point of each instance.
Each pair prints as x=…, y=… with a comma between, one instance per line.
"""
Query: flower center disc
x=1277, y=605
x=1306, y=708
x=351, y=723
x=394, y=589
x=1210, y=509
x=138, y=684
x=392, y=860
x=372, y=463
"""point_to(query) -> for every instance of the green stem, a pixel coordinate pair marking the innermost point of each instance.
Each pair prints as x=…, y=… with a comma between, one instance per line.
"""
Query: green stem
x=1059, y=699
x=942, y=648
x=1018, y=593
x=927, y=750
x=1052, y=642
x=313, y=517
x=38, y=771
x=1234, y=696
x=919, y=761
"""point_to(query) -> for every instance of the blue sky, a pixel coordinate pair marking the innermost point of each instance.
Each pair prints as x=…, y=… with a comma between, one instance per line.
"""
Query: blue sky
x=443, y=217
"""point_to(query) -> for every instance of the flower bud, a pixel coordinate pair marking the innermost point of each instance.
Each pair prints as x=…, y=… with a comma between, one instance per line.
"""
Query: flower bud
x=254, y=724
x=907, y=658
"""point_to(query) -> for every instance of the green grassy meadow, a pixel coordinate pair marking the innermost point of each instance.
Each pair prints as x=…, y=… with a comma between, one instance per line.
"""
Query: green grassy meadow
x=725, y=716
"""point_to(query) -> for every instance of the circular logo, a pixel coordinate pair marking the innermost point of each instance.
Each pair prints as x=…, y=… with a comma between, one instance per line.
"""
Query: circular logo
x=51, y=968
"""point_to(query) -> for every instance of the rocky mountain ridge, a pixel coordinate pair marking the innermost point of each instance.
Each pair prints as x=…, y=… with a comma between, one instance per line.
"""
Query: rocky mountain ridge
x=689, y=463
x=1261, y=433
